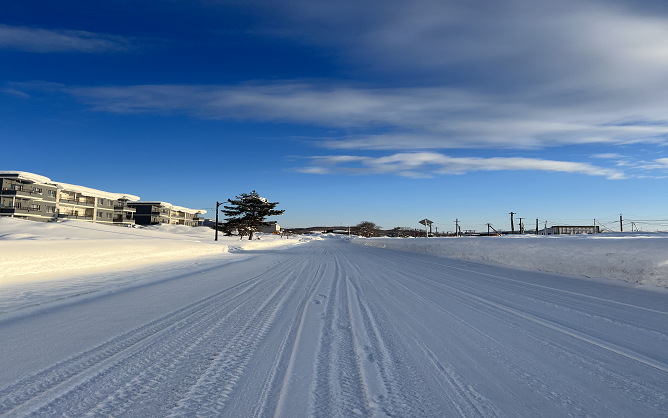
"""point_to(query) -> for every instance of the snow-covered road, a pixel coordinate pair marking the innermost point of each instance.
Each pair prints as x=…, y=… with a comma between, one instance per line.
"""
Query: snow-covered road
x=331, y=329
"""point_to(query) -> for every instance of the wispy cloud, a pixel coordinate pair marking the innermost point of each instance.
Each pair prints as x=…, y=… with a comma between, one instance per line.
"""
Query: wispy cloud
x=663, y=162
x=29, y=39
x=428, y=164
x=608, y=156
x=400, y=118
x=15, y=93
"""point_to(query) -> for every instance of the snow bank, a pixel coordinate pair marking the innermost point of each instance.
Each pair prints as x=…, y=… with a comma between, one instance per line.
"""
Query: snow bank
x=633, y=257
x=32, y=251
x=37, y=251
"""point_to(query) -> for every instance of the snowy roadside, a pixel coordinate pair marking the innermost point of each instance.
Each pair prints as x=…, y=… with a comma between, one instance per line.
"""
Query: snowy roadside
x=632, y=257
x=35, y=251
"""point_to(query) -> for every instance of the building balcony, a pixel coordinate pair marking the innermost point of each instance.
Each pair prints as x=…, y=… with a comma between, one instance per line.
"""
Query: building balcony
x=25, y=193
x=78, y=217
x=121, y=220
x=14, y=209
x=77, y=202
x=124, y=208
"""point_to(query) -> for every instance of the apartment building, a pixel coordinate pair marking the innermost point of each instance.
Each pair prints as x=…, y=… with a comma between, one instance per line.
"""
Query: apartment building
x=28, y=196
x=31, y=196
x=155, y=213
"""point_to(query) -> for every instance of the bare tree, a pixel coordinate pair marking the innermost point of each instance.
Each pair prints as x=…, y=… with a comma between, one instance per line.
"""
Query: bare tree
x=367, y=229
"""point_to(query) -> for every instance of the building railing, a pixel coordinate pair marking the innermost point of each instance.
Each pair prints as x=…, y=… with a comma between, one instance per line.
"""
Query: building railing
x=124, y=208
x=124, y=220
x=83, y=217
x=78, y=202
x=16, y=209
x=10, y=191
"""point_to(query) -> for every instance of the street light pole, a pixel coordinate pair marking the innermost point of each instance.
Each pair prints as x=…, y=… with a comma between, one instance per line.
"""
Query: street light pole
x=217, y=206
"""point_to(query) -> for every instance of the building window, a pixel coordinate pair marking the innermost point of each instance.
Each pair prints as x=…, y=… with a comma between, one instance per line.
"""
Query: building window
x=37, y=190
x=99, y=214
x=34, y=206
x=50, y=209
x=108, y=215
x=51, y=193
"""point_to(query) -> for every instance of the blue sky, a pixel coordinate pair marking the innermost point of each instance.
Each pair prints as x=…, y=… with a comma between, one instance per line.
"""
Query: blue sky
x=346, y=111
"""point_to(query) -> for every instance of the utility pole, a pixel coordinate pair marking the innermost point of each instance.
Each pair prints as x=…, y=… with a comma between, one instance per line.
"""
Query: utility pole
x=488, y=225
x=521, y=226
x=621, y=223
x=512, y=222
x=457, y=227
x=536, y=226
x=217, y=206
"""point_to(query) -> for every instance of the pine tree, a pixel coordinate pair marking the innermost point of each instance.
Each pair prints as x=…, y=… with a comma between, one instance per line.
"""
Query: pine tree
x=247, y=213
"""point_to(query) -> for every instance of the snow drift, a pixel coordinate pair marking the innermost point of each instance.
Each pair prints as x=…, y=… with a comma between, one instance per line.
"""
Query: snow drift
x=36, y=251
x=633, y=257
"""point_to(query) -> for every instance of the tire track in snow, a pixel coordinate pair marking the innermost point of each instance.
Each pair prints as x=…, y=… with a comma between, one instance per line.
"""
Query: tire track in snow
x=277, y=373
x=398, y=390
x=268, y=398
x=63, y=380
x=469, y=292
x=206, y=398
x=529, y=373
x=469, y=402
x=42, y=382
x=338, y=391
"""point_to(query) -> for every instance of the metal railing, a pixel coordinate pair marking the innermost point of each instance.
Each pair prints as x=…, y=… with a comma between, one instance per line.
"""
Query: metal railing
x=9, y=189
x=125, y=208
x=78, y=202
x=65, y=215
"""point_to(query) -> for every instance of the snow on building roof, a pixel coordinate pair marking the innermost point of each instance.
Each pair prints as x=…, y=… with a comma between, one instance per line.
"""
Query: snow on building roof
x=24, y=175
x=169, y=205
x=28, y=176
x=94, y=192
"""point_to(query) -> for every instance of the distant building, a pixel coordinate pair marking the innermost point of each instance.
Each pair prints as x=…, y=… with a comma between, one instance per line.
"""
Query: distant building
x=38, y=198
x=155, y=213
x=272, y=229
x=206, y=222
x=570, y=230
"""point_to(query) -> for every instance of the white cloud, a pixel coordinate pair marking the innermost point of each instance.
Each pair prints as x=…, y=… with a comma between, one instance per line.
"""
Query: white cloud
x=44, y=40
x=608, y=155
x=426, y=164
x=402, y=118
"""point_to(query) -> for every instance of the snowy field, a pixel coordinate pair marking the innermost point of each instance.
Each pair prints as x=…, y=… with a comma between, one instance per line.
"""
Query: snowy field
x=326, y=329
x=636, y=257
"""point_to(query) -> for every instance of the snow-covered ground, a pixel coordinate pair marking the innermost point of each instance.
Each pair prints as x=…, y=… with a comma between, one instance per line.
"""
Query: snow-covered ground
x=37, y=251
x=330, y=329
x=636, y=257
